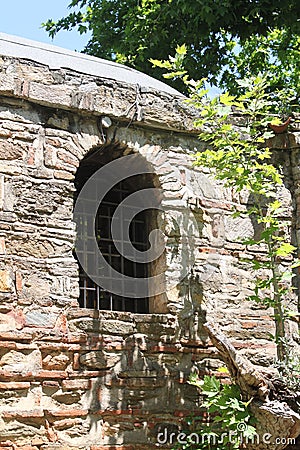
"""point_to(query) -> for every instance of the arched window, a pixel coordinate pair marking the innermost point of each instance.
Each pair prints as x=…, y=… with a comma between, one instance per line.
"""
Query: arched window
x=93, y=295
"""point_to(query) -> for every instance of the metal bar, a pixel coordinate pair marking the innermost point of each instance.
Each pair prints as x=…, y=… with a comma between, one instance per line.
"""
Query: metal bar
x=92, y=293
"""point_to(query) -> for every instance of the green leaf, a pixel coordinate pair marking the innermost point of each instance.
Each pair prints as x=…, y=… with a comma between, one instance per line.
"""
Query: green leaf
x=181, y=49
x=227, y=99
x=223, y=370
x=210, y=386
x=285, y=249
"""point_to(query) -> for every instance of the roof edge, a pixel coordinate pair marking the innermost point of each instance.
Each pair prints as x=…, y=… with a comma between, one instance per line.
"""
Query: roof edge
x=59, y=58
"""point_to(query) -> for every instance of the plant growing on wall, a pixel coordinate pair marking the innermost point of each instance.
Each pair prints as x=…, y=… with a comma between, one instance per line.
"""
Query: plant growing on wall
x=229, y=417
x=238, y=156
x=236, y=129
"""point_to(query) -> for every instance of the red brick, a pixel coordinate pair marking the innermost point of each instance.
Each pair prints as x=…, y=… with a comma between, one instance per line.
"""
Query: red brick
x=132, y=383
x=67, y=158
x=165, y=349
x=254, y=345
x=51, y=384
x=19, y=282
x=77, y=338
x=2, y=246
x=8, y=375
x=53, y=141
x=15, y=336
x=76, y=363
x=183, y=413
x=8, y=345
x=117, y=412
x=51, y=374
x=61, y=325
x=19, y=318
x=90, y=374
x=31, y=157
x=59, y=346
x=27, y=447
x=218, y=251
x=34, y=413
x=249, y=324
x=5, y=444
x=14, y=385
x=67, y=412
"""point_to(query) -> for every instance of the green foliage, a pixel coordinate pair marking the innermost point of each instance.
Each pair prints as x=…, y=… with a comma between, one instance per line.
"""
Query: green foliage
x=133, y=31
x=229, y=419
x=238, y=156
x=275, y=54
x=289, y=370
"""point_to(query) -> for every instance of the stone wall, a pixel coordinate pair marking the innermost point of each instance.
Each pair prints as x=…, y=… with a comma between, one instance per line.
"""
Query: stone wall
x=77, y=378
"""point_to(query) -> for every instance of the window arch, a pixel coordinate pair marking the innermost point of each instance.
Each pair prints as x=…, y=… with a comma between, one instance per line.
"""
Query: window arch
x=91, y=294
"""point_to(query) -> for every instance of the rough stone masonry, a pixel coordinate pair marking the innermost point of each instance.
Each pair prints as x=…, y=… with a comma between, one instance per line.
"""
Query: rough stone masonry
x=77, y=378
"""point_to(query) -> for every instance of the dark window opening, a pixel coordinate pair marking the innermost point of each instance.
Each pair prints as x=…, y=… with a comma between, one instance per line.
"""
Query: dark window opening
x=92, y=295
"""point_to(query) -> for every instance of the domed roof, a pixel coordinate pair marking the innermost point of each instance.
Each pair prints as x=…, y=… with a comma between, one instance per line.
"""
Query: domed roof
x=57, y=58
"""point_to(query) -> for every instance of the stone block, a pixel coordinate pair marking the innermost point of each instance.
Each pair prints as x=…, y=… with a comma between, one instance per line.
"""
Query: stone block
x=66, y=398
x=80, y=384
x=5, y=281
x=16, y=361
x=7, y=322
x=56, y=362
x=66, y=423
x=63, y=175
x=117, y=327
x=99, y=360
x=10, y=151
x=39, y=318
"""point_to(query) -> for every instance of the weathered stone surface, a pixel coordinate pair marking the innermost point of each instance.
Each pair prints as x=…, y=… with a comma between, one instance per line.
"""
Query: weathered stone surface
x=7, y=322
x=5, y=281
x=75, y=378
x=67, y=398
x=56, y=362
x=9, y=151
x=39, y=318
x=99, y=360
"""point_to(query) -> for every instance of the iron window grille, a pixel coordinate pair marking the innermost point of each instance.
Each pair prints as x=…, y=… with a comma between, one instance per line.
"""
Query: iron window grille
x=92, y=295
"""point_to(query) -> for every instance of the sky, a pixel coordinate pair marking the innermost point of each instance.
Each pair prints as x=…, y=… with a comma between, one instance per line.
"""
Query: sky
x=24, y=17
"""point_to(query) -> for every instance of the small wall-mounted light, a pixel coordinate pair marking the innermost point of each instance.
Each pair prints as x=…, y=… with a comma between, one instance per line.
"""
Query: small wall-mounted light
x=106, y=122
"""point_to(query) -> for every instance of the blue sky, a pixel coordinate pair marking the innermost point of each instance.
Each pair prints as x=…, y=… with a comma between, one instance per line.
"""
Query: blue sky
x=24, y=17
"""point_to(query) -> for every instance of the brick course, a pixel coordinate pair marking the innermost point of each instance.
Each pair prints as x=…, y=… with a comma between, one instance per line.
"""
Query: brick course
x=69, y=378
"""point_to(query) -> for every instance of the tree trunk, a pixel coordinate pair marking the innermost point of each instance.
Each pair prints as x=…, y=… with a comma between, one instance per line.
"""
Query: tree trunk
x=277, y=425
